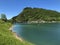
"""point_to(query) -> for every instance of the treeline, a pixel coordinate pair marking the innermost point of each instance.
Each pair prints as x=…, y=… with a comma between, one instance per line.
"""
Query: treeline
x=34, y=14
x=3, y=18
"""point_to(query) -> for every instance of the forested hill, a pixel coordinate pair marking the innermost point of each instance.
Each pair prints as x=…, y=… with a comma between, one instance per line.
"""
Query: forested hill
x=37, y=14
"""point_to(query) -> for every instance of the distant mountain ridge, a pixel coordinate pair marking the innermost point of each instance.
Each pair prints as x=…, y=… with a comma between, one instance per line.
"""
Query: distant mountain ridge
x=36, y=14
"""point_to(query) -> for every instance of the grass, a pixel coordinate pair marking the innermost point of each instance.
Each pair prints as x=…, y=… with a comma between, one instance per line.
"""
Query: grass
x=6, y=36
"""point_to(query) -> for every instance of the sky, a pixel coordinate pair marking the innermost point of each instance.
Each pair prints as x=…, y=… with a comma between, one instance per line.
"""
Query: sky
x=13, y=7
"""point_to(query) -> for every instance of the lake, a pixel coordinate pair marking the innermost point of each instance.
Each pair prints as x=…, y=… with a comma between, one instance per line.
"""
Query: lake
x=39, y=34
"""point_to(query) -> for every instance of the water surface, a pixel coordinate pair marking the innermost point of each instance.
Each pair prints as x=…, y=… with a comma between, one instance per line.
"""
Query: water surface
x=39, y=34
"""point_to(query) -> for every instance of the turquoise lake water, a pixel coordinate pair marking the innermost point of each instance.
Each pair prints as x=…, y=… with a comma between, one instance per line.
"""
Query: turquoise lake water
x=39, y=34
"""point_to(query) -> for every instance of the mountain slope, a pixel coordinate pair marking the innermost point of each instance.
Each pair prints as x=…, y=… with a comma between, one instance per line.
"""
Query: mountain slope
x=37, y=14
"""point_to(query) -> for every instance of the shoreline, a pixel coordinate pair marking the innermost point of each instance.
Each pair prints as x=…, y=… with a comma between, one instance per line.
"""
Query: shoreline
x=15, y=35
x=38, y=22
x=19, y=38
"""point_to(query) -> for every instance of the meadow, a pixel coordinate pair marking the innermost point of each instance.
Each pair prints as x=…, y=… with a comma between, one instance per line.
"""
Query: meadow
x=7, y=37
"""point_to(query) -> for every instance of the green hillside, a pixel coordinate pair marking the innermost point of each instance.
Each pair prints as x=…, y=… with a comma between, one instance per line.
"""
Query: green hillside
x=36, y=14
x=7, y=37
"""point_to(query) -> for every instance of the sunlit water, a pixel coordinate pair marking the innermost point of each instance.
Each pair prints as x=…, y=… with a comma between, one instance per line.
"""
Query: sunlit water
x=39, y=34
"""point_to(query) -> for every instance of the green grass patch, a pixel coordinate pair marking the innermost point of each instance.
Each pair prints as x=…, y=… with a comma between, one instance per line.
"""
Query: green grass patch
x=7, y=37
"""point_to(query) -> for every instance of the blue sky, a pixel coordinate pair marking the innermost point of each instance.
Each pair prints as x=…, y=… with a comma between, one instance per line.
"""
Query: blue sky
x=14, y=7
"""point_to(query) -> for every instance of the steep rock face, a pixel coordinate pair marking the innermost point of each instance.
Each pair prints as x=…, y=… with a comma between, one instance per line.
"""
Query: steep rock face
x=37, y=14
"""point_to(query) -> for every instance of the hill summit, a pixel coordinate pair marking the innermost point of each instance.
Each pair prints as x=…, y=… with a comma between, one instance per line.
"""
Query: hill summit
x=37, y=14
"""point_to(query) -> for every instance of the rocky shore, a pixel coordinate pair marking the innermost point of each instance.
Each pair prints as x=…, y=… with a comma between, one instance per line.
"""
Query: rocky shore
x=29, y=22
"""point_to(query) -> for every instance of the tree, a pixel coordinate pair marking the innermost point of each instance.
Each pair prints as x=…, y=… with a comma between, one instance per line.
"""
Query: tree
x=3, y=17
